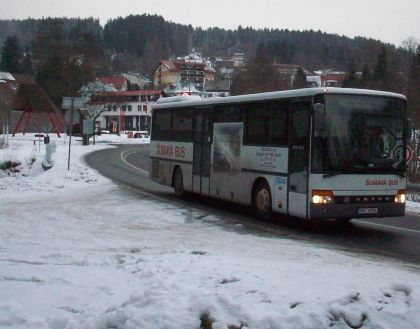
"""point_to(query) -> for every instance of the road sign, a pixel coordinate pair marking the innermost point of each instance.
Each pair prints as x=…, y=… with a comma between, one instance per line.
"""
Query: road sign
x=87, y=127
x=398, y=153
x=72, y=103
x=408, y=154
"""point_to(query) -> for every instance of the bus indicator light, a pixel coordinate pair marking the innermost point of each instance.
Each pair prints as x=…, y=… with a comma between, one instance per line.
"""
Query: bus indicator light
x=400, y=197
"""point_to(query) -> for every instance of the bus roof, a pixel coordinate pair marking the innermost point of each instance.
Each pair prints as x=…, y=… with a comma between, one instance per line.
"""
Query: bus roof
x=182, y=101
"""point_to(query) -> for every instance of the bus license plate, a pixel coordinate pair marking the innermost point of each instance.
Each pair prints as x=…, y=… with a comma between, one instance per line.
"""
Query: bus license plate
x=368, y=210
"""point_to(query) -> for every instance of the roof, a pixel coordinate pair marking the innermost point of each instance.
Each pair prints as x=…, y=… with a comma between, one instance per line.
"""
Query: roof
x=122, y=96
x=130, y=93
x=176, y=65
x=22, y=93
x=136, y=75
x=6, y=76
x=217, y=85
x=333, y=77
x=304, y=92
x=33, y=96
x=117, y=82
x=171, y=65
x=290, y=68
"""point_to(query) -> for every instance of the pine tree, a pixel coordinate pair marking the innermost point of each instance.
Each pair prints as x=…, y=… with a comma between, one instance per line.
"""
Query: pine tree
x=11, y=55
x=350, y=80
x=300, y=79
x=50, y=51
x=413, y=93
x=27, y=65
x=365, y=80
x=381, y=72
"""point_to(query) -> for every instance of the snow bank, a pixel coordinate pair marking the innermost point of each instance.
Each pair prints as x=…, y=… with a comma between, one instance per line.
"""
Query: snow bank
x=93, y=255
x=31, y=178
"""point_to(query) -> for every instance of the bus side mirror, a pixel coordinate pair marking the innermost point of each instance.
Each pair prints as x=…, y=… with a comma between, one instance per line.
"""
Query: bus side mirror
x=319, y=119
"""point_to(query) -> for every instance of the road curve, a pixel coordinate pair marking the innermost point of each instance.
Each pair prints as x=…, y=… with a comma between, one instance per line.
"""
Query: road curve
x=391, y=238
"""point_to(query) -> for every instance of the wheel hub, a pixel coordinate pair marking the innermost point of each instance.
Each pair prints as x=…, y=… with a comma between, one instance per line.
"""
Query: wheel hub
x=263, y=200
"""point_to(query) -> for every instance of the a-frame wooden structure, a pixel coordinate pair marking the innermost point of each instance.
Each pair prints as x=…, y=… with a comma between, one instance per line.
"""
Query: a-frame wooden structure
x=32, y=100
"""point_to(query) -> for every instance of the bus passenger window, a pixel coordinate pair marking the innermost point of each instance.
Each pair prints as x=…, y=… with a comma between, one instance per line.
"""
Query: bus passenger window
x=278, y=125
x=257, y=125
x=161, y=125
x=231, y=113
x=182, y=125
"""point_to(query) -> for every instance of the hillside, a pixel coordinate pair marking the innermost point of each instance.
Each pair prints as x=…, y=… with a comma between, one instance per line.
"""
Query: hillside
x=149, y=37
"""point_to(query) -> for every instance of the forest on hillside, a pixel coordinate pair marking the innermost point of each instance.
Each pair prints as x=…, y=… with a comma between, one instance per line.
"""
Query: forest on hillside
x=147, y=37
x=65, y=53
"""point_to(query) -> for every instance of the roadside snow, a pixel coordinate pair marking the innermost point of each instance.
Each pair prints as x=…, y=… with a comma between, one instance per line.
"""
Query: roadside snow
x=76, y=251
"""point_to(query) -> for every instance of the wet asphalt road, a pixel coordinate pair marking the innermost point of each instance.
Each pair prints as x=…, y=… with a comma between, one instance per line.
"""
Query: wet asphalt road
x=395, y=239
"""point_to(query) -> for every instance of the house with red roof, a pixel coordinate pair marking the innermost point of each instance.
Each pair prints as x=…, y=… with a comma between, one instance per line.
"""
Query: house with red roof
x=333, y=79
x=119, y=83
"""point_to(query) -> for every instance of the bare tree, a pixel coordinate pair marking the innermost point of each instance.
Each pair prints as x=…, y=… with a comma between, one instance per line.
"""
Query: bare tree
x=410, y=44
x=93, y=110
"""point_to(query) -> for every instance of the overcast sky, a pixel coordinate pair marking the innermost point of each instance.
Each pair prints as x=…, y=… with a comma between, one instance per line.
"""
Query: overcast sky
x=387, y=20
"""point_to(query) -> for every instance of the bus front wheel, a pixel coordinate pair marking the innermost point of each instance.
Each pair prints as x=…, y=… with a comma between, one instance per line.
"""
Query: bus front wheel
x=262, y=200
x=178, y=183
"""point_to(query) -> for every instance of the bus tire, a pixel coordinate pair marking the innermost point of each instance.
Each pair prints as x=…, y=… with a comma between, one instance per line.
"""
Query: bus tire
x=178, y=183
x=261, y=200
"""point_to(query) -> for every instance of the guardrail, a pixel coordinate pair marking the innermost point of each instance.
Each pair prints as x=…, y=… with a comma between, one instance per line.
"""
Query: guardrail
x=413, y=192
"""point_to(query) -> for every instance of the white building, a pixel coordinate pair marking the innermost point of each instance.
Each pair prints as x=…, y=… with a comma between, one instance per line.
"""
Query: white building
x=125, y=110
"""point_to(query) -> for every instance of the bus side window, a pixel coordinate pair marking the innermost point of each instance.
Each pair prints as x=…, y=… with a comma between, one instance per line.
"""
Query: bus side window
x=257, y=124
x=228, y=113
x=279, y=124
x=182, y=125
x=161, y=125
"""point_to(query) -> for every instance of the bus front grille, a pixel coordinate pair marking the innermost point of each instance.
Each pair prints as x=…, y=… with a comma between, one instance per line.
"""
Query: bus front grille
x=359, y=199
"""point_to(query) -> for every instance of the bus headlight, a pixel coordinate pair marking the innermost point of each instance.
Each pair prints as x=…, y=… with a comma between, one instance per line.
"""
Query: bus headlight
x=400, y=197
x=322, y=197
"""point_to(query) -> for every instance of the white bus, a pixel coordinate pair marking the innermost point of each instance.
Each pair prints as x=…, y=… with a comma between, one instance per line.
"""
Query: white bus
x=316, y=153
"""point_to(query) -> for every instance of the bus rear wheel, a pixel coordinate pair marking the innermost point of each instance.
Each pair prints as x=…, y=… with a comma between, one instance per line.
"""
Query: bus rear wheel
x=178, y=183
x=262, y=200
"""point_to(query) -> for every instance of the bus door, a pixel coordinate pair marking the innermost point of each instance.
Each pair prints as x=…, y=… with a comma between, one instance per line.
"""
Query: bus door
x=226, y=160
x=202, y=128
x=299, y=158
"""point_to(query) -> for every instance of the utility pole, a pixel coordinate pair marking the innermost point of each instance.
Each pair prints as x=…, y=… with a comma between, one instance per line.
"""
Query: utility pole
x=71, y=132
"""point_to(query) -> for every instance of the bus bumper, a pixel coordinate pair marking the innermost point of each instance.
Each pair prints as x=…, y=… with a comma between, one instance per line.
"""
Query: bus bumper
x=347, y=211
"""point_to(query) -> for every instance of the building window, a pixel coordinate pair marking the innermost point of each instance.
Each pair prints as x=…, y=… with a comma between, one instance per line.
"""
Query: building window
x=124, y=108
x=138, y=108
x=130, y=108
x=114, y=108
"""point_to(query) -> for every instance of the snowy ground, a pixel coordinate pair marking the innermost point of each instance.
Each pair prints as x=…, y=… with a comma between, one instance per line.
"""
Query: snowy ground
x=77, y=251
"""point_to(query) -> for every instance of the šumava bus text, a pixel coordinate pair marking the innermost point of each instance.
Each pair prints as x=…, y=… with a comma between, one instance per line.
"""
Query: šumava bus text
x=171, y=151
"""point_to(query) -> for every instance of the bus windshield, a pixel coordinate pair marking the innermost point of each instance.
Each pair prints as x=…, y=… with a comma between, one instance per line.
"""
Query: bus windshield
x=361, y=134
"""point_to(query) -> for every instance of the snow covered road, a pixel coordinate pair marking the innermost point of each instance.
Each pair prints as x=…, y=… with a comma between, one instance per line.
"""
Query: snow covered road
x=77, y=251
